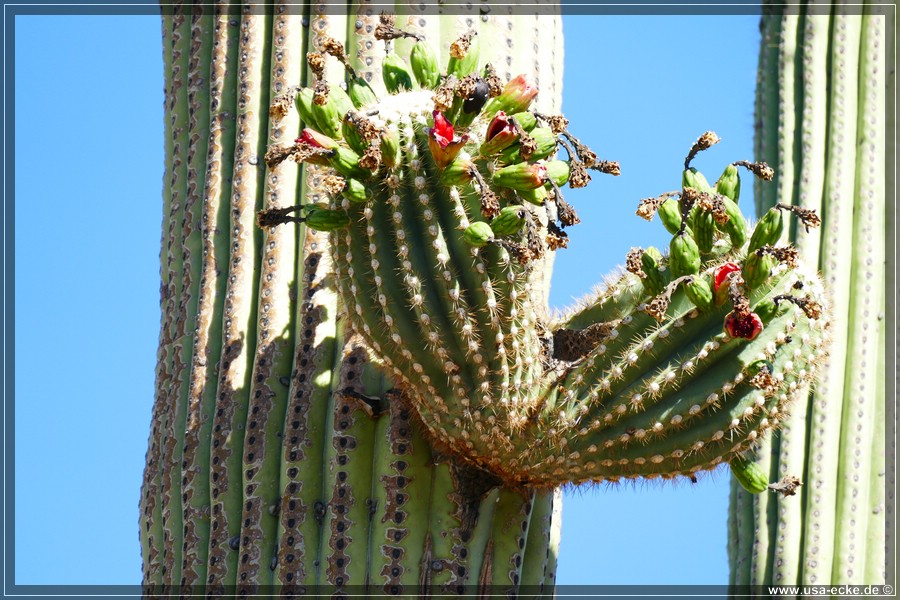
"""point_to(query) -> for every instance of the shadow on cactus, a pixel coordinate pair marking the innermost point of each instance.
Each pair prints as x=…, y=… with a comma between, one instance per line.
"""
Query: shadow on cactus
x=445, y=211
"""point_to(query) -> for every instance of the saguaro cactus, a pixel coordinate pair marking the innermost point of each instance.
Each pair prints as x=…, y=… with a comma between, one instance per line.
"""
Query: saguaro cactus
x=821, y=122
x=390, y=404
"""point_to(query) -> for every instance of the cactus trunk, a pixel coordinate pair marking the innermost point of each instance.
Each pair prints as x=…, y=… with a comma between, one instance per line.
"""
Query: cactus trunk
x=821, y=124
x=278, y=455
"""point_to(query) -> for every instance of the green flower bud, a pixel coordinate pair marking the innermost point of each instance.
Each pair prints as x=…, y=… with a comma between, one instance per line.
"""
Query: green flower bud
x=729, y=184
x=516, y=97
x=510, y=220
x=757, y=269
x=478, y=234
x=736, y=226
x=699, y=293
x=304, y=102
x=390, y=147
x=693, y=178
x=670, y=214
x=558, y=171
x=768, y=230
x=352, y=136
x=357, y=191
x=545, y=145
x=655, y=280
x=360, y=92
x=537, y=196
x=466, y=64
x=330, y=116
x=458, y=172
x=684, y=255
x=750, y=475
x=396, y=74
x=767, y=310
x=704, y=226
x=346, y=162
x=424, y=63
x=521, y=176
x=323, y=219
x=526, y=119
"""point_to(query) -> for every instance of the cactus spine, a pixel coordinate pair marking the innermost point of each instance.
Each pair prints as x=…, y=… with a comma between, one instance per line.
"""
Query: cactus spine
x=821, y=121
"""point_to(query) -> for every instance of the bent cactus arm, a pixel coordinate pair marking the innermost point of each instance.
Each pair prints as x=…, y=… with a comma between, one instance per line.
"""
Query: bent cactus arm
x=821, y=119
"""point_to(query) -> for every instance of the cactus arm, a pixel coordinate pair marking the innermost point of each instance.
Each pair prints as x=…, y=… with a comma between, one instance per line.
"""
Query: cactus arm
x=868, y=260
x=178, y=276
x=239, y=326
x=151, y=522
x=837, y=236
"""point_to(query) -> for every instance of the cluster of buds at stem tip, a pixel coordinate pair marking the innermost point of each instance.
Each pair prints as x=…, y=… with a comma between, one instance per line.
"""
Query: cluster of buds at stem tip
x=710, y=257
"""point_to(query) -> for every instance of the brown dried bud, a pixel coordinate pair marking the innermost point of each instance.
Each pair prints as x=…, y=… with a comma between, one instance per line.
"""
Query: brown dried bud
x=704, y=142
x=787, y=485
x=784, y=254
x=810, y=307
x=527, y=145
x=564, y=211
x=533, y=240
x=460, y=47
x=763, y=380
x=519, y=252
x=648, y=206
x=466, y=86
x=282, y=103
x=578, y=175
x=610, y=167
x=556, y=237
x=490, y=204
x=558, y=123
x=275, y=155
x=760, y=169
x=320, y=92
x=494, y=83
x=316, y=63
x=657, y=307
x=633, y=263
x=371, y=158
x=443, y=96
x=713, y=203
x=334, y=184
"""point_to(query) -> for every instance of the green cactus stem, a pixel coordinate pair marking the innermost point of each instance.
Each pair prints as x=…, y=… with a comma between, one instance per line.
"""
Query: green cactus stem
x=821, y=123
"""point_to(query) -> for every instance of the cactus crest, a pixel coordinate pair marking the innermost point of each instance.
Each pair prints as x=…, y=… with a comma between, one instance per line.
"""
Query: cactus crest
x=445, y=206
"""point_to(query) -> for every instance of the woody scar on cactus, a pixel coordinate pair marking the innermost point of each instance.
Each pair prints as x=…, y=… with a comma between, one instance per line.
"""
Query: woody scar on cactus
x=446, y=201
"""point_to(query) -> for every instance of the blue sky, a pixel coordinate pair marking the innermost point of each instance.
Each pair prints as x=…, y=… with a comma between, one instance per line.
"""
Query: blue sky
x=88, y=169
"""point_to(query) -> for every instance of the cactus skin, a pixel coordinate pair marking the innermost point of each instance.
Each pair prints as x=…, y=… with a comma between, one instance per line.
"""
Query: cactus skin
x=251, y=342
x=824, y=76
